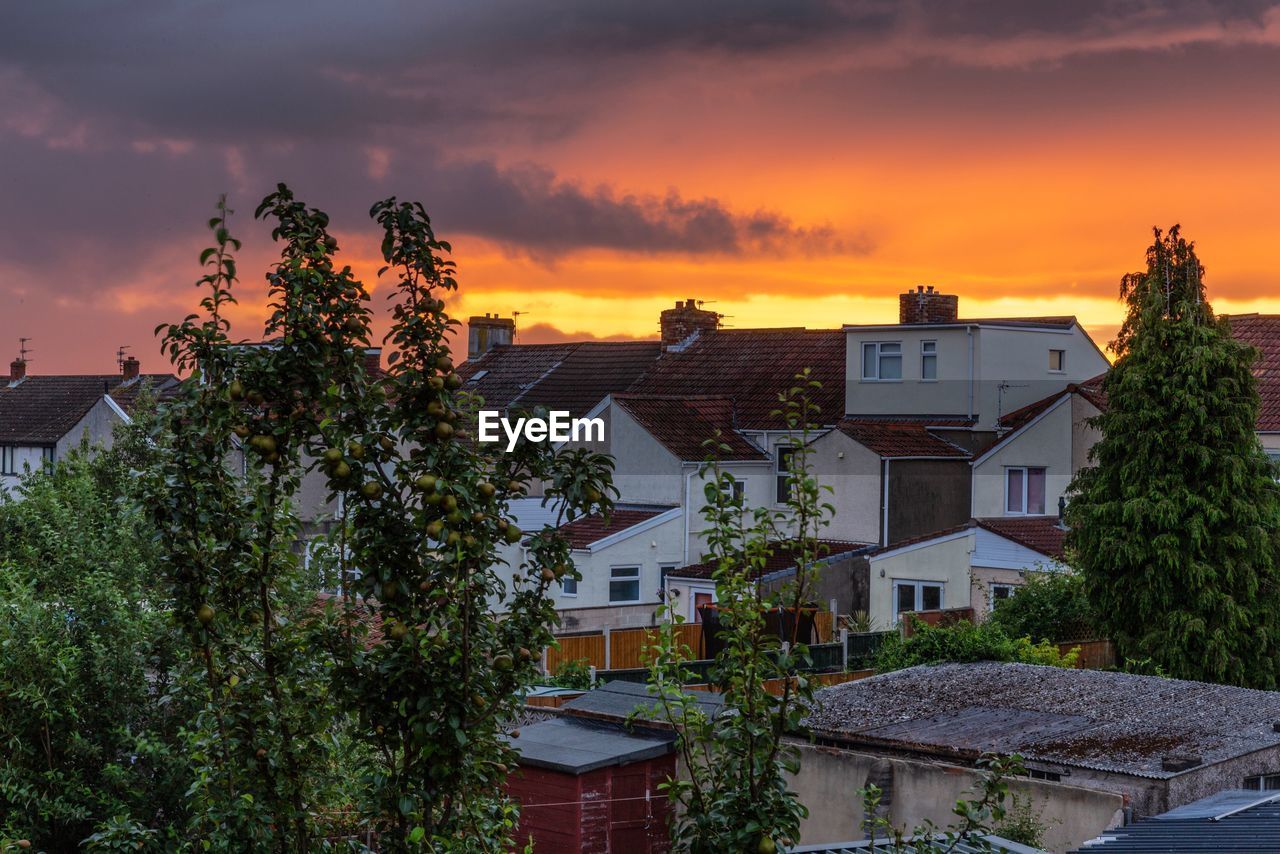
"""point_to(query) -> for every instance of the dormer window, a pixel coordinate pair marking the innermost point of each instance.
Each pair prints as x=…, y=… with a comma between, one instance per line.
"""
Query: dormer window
x=882, y=361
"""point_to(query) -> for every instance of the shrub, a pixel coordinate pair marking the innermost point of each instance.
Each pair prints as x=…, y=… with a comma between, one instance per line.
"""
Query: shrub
x=1050, y=606
x=965, y=642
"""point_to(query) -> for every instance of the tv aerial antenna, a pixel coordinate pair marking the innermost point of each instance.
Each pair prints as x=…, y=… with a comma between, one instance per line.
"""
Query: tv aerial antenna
x=120, y=354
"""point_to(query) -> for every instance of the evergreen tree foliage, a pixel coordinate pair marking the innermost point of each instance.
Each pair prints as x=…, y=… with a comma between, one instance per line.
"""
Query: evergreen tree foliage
x=1174, y=525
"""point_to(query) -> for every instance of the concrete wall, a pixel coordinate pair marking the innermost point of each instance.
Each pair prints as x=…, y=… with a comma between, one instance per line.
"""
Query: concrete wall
x=1084, y=436
x=915, y=790
x=1047, y=444
x=649, y=550
x=948, y=395
x=1018, y=359
x=644, y=470
x=926, y=496
x=843, y=580
x=945, y=562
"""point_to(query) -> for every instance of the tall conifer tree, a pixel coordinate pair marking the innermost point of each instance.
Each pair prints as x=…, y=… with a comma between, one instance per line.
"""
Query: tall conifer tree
x=1175, y=525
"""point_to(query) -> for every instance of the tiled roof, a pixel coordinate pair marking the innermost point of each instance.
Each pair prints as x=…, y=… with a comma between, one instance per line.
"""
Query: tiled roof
x=782, y=558
x=753, y=366
x=574, y=377
x=684, y=424
x=41, y=409
x=899, y=438
x=1096, y=719
x=1263, y=332
x=1038, y=533
x=582, y=532
x=1091, y=390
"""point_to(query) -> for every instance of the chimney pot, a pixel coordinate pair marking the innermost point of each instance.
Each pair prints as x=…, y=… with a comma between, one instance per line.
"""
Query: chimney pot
x=17, y=370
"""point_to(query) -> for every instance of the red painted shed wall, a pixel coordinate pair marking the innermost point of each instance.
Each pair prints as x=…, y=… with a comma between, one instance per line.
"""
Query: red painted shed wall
x=615, y=810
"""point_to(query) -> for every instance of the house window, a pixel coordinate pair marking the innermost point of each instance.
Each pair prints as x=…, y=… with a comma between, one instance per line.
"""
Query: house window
x=785, y=453
x=916, y=596
x=1024, y=491
x=1040, y=774
x=1001, y=592
x=624, y=585
x=8, y=459
x=568, y=586
x=1263, y=783
x=882, y=361
x=701, y=600
x=46, y=456
x=1057, y=361
x=733, y=490
x=928, y=360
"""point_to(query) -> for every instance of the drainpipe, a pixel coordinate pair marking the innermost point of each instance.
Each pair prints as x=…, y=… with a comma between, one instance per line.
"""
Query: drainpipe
x=688, y=479
x=884, y=502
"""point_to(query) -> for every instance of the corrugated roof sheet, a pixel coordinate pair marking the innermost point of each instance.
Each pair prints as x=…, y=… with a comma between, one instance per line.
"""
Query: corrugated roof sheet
x=1126, y=723
x=987, y=844
x=906, y=438
x=1234, y=820
x=684, y=424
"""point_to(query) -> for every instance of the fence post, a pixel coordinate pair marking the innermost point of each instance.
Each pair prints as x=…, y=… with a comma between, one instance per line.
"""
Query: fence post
x=844, y=649
x=591, y=674
x=608, y=652
x=545, y=672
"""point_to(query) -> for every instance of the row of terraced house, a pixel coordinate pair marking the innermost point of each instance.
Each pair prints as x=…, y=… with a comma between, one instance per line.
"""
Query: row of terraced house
x=949, y=444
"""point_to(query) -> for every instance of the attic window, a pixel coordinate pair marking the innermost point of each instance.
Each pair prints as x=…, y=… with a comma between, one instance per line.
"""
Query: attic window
x=479, y=375
x=1057, y=361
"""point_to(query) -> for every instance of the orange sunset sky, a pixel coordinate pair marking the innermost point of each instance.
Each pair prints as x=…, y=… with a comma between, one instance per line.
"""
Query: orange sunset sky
x=793, y=164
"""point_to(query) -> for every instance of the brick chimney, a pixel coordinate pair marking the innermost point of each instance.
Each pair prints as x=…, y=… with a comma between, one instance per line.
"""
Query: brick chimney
x=373, y=360
x=680, y=324
x=485, y=333
x=925, y=305
x=129, y=368
x=17, y=371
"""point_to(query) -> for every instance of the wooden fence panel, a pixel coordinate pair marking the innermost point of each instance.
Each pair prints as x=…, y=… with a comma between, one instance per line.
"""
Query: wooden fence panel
x=1094, y=654
x=822, y=624
x=574, y=648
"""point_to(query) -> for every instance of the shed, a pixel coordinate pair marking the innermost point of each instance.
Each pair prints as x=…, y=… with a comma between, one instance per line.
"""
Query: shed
x=592, y=786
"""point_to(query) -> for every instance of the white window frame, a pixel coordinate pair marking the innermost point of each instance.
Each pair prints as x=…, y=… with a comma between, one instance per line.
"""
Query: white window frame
x=635, y=576
x=737, y=490
x=877, y=348
x=1062, y=361
x=919, y=585
x=992, y=599
x=929, y=350
x=782, y=471
x=1026, y=483
x=565, y=590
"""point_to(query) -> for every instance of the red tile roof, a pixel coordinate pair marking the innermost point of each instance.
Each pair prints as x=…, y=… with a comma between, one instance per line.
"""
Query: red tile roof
x=684, y=424
x=1038, y=533
x=41, y=409
x=899, y=438
x=1091, y=390
x=573, y=376
x=1019, y=418
x=782, y=558
x=582, y=532
x=753, y=366
x=1263, y=332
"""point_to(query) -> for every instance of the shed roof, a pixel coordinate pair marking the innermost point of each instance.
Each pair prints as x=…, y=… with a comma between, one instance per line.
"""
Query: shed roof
x=1233, y=820
x=618, y=699
x=986, y=843
x=577, y=745
x=1117, y=722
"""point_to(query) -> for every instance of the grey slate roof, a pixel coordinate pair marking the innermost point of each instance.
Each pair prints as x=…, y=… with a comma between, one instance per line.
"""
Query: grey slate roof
x=578, y=745
x=1115, y=722
x=1234, y=820
x=41, y=409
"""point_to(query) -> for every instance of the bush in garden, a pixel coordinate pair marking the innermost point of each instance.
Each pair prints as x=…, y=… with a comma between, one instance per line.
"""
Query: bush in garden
x=964, y=642
x=304, y=714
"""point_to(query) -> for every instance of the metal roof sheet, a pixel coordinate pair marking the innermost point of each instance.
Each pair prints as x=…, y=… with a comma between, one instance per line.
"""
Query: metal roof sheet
x=1207, y=826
